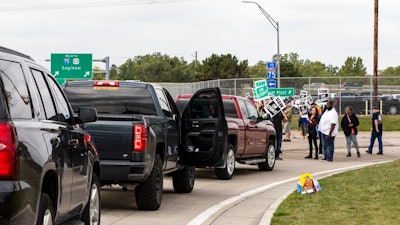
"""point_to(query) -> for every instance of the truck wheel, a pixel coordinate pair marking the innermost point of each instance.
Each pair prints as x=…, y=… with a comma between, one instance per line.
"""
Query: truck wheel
x=393, y=110
x=226, y=173
x=46, y=211
x=149, y=193
x=91, y=213
x=269, y=163
x=183, y=180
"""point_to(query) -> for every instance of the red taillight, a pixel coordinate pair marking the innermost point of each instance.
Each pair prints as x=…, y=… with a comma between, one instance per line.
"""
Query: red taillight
x=106, y=84
x=7, y=151
x=139, y=137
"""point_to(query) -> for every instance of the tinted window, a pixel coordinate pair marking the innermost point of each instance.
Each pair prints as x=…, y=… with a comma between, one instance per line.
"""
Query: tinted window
x=61, y=104
x=117, y=100
x=163, y=102
x=243, y=109
x=204, y=106
x=15, y=89
x=229, y=108
x=181, y=103
x=45, y=95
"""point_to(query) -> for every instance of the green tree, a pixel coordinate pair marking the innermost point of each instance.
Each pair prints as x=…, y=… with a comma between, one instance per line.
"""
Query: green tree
x=155, y=68
x=258, y=71
x=353, y=67
x=221, y=67
x=390, y=71
x=316, y=69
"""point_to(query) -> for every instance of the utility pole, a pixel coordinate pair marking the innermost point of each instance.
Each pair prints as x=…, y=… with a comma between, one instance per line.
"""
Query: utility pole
x=375, y=72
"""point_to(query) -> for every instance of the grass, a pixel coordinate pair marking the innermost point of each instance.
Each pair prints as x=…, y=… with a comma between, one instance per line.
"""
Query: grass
x=390, y=122
x=369, y=195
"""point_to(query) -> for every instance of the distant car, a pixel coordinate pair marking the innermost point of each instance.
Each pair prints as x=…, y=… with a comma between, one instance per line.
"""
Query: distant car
x=317, y=84
x=352, y=84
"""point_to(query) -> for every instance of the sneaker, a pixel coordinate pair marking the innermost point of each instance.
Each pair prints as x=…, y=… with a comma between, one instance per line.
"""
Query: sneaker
x=278, y=158
x=368, y=152
x=308, y=157
x=379, y=153
x=358, y=154
x=348, y=155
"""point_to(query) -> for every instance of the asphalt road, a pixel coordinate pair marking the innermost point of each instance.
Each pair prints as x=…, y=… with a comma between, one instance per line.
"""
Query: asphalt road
x=250, y=197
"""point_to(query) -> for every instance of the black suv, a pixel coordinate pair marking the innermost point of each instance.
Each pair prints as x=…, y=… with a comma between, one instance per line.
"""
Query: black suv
x=49, y=166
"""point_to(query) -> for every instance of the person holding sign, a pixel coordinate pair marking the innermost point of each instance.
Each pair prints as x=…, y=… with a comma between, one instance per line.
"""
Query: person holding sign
x=312, y=133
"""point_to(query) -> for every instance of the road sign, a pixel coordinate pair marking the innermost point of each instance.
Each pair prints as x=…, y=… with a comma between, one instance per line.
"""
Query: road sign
x=283, y=92
x=271, y=83
x=271, y=74
x=71, y=66
x=271, y=65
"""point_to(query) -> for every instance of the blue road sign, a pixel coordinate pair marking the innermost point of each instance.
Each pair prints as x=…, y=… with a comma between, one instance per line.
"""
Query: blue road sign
x=271, y=74
x=271, y=64
x=271, y=83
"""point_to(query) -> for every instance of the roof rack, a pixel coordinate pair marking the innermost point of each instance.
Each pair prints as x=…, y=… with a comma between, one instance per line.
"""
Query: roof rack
x=7, y=50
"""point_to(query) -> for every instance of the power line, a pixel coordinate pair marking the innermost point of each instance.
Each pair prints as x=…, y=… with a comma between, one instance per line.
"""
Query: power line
x=26, y=6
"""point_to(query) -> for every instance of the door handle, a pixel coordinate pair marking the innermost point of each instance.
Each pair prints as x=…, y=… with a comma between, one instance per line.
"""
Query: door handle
x=73, y=142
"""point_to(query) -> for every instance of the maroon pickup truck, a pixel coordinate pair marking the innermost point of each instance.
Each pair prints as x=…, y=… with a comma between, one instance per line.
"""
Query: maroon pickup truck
x=252, y=139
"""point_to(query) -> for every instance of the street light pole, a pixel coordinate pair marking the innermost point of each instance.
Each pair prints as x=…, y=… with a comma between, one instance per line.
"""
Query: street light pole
x=276, y=26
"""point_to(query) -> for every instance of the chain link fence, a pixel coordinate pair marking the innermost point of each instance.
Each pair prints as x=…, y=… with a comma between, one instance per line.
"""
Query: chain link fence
x=356, y=92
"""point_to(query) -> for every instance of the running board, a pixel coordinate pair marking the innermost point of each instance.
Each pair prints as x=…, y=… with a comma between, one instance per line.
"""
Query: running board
x=251, y=161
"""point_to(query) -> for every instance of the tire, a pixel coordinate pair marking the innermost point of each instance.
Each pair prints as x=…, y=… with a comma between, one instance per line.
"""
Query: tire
x=149, y=193
x=91, y=213
x=226, y=173
x=183, y=180
x=46, y=210
x=269, y=163
x=392, y=110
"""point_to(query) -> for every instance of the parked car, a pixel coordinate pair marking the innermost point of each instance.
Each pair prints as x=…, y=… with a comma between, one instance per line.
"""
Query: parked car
x=251, y=139
x=141, y=136
x=352, y=84
x=49, y=166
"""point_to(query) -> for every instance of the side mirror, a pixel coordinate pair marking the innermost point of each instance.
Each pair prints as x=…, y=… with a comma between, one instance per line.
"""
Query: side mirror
x=87, y=115
x=266, y=116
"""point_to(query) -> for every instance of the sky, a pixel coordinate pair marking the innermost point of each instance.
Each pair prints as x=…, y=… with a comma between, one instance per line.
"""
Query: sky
x=328, y=31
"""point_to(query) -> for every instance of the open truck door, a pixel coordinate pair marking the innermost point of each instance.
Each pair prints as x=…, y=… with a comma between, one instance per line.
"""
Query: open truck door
x=204, y=130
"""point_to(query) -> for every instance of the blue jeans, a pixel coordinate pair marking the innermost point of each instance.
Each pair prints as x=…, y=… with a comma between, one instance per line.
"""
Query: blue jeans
x=375, y=135
x=278, y=143
x=328, y=144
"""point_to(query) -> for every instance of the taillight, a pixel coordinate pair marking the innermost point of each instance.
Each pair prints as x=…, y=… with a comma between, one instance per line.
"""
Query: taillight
x=106, y=84
x=7, y=151
x=139, y=137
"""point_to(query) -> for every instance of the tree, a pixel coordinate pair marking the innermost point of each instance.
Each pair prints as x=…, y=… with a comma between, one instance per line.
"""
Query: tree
x=155, y=68
x=353, y=67
x=390, y=71
x=258, y=71
x=222, y=67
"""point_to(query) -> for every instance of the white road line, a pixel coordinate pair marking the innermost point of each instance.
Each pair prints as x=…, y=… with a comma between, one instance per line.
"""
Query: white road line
x=206, y=214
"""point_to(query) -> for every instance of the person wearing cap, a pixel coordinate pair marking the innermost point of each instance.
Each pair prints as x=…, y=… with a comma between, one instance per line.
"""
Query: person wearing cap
x=328, y=126
x=376, y=131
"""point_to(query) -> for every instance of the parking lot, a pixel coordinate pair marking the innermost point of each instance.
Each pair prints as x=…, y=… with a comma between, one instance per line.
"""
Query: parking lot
x=250, y=197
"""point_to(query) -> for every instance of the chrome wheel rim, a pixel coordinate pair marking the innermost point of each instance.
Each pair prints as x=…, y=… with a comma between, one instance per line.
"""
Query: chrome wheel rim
x=230, y=162
x=47, y=218
x=271, y=156
x=94, y=205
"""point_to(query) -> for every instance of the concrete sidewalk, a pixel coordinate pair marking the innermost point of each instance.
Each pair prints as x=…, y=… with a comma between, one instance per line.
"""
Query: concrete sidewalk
x=259, y=208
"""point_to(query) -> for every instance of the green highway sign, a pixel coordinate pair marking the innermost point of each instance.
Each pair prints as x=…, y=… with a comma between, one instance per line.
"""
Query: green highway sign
x=71, y=66
x=283, y=92
x=261, y=89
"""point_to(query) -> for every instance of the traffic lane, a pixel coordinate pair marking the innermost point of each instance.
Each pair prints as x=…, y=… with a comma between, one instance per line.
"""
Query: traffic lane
x=119, y=207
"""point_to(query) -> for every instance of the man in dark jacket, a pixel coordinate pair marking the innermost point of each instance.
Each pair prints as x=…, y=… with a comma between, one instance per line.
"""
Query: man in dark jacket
x=277, y=121
x=349, y=125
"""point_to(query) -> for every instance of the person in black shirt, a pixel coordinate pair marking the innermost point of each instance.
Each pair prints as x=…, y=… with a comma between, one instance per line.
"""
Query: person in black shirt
x=277, y=121
x=376, y=131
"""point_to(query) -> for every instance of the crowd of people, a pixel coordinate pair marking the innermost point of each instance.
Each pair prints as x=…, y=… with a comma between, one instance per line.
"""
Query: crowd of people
x=322, y=123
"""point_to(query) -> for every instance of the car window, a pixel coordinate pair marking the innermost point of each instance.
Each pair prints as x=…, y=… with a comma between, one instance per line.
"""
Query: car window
x=243, y=109
x=229, y=108
x=252, y=109
x=118, y=100
x=63, y=111
x=45, y=95
x=16, y=90
x=163, y=102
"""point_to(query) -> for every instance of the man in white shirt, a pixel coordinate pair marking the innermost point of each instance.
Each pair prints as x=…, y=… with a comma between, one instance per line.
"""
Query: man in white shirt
x=328, y=126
